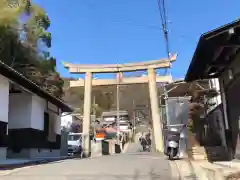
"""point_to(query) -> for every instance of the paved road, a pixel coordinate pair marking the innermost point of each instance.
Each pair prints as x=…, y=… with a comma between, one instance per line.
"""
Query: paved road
x=133, y=165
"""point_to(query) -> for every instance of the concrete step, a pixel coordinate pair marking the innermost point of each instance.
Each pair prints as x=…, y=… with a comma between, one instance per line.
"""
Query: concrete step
x=210, y=171
x=213, y=153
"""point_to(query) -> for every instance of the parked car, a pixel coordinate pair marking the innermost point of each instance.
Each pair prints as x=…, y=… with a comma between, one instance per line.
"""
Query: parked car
x=75, y=143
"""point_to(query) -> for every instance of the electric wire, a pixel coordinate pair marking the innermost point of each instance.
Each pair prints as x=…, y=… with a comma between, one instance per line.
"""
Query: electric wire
x=163, y=16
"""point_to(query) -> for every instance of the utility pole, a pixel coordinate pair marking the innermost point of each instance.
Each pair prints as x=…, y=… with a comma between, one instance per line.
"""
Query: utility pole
x=134, y=118
x=118, y=116
x=94, y=113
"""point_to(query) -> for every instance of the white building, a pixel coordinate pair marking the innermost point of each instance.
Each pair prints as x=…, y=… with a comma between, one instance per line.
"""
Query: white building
x=30, y=125
x=66, y=120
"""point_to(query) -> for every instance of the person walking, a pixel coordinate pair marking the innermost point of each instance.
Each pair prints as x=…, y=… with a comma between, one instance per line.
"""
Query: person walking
x=143, y=142
x=148, y=141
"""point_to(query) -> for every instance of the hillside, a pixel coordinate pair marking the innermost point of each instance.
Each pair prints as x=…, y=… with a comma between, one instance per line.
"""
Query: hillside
x=134, y=98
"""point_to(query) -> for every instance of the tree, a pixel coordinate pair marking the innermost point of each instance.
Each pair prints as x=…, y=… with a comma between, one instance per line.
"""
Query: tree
x=10, y=31
x=25, y=41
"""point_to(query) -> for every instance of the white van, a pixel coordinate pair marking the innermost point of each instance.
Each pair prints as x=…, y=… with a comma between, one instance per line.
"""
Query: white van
x=74, y=143
x=124, y=127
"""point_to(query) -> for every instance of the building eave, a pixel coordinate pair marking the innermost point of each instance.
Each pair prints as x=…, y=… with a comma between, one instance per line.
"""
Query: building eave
x=208, y=45
x=18, y=78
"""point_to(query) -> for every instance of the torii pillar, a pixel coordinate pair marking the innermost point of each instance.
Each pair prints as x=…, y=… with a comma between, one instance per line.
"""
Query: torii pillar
x=87, y=114
x=155, y=111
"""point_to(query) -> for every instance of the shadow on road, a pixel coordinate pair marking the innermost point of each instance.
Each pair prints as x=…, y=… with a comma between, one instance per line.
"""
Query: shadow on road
x=153, y=175
x=136, y=176
x=34, y=163
x=136, y=170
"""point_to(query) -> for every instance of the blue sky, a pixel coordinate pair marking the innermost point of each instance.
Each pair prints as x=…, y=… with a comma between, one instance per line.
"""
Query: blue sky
x=121, y=31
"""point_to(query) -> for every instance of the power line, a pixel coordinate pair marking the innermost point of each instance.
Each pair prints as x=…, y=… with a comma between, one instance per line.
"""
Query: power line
x=164, y=12
x=163, y=16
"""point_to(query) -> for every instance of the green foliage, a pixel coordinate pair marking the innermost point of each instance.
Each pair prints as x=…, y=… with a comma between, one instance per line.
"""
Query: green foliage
x=24, y=43
x=75, y=97
x=105, y=98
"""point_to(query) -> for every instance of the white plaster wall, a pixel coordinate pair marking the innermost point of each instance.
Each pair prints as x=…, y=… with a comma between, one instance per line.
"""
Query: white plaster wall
x=58, y=124
x=38, y=109
x=56, y=118
x=4, y=101
x=27, y=111
x=20, y=107
x=36, y=120
x=37, y=117
x=4, y=98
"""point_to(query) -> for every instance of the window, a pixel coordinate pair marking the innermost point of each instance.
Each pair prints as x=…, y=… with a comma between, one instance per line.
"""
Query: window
x=74, y=137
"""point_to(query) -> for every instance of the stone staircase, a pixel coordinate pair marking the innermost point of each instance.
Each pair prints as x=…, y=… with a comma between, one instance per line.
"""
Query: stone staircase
x=197, y=153
x=216, y=153
x=210, y=153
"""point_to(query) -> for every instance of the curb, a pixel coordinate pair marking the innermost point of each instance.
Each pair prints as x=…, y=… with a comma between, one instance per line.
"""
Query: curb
x=31, y=163
x=235, y=175
x=212, y=171
x=183, y=169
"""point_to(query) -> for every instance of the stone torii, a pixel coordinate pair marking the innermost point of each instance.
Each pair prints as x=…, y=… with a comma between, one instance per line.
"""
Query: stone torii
x=151, y=79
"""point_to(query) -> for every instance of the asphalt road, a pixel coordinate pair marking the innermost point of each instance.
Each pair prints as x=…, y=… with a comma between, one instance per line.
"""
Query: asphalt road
x=133, y=165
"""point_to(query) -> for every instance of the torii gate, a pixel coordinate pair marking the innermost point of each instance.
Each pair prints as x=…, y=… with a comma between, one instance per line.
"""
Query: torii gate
x=151, y=79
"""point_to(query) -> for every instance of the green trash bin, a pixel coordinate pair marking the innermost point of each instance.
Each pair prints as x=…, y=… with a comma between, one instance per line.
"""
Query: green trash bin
x=105, y=147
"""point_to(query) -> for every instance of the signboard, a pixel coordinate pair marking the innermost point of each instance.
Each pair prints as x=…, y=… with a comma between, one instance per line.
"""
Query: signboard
x=100, y=136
